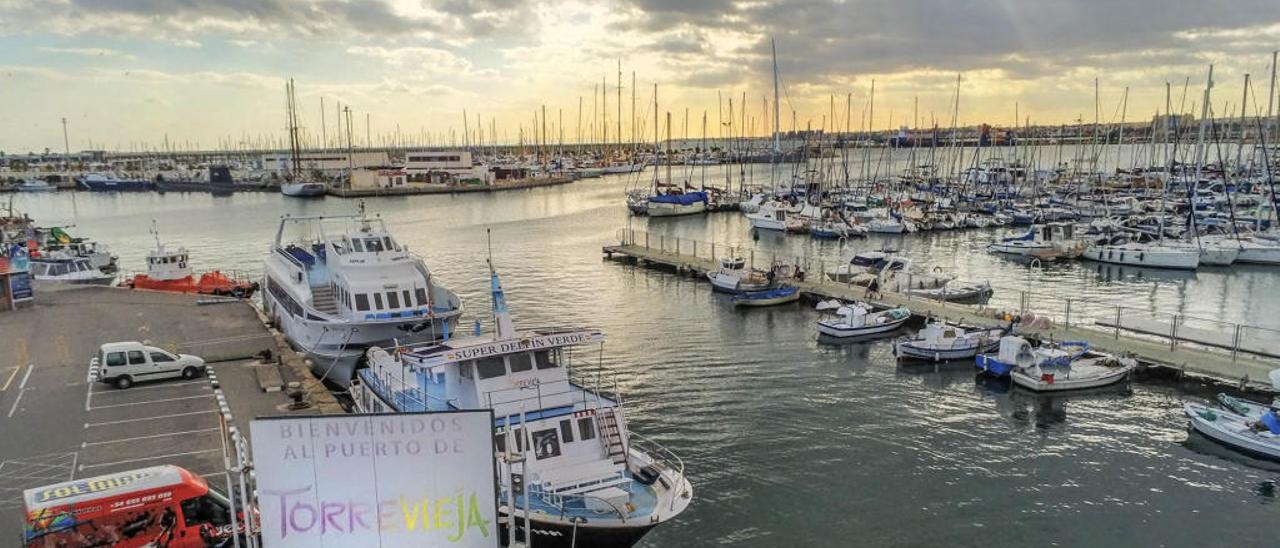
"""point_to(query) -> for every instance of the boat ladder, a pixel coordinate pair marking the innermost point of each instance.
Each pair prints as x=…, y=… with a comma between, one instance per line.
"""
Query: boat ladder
x=611, y=436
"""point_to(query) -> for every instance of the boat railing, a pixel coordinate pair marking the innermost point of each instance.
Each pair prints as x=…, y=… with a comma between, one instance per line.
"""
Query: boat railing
x=575, y=505
x=662, y=458
x=412, y=392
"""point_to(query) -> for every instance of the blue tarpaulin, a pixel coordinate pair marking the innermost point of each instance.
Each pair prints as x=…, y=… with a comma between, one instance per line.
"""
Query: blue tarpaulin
x=688, y=198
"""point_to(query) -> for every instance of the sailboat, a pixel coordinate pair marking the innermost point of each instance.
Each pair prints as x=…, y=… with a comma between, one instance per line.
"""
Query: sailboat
x=573, y=473
x=296, y=185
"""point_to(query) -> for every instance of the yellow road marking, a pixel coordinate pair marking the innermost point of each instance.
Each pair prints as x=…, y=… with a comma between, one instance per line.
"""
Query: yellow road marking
x=20, y=351
x=9, y=381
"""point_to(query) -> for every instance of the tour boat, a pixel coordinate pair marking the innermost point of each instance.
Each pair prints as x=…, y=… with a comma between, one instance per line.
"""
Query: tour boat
x=768, y=297
x=67, y=270
x=939, y=342
x=1237, y=432
x=734, y=277
x=857, y=320
x=304, y=189
x=170, y=270
x=335, y=294
x=1016, y=352
x=1077, y=374
x=566, y=458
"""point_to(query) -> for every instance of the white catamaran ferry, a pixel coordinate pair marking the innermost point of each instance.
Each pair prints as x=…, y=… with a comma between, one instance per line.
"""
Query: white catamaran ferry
x=335, y=295
x=565, y=456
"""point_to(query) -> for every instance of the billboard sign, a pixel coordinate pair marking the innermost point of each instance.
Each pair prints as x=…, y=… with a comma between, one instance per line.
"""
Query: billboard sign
x=20, y=286
x=404, y=479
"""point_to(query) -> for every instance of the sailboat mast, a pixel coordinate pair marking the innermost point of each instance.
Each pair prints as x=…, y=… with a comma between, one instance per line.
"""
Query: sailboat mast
x=777, y=144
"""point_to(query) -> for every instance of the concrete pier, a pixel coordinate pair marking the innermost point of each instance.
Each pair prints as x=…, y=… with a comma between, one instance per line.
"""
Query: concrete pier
x=1182, y=355
x=57, y=425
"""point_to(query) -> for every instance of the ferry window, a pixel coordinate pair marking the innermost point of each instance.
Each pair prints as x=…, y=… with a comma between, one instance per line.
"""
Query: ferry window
x=362, y=302
x=566, y=430
x=393, y=299
x=115, y=358
x=489, y=368
x=199, y=510
x=407, y=301
x=357, y=244
x=136, y=357
x=545, y=444
x=546, y=360
x=586, y=429
x=421, y=295
x=157, y=357
x=377, y=301
x=520, y=362
x=464, y=370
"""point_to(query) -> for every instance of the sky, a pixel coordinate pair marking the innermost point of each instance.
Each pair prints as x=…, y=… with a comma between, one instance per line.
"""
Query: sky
x=135, y=74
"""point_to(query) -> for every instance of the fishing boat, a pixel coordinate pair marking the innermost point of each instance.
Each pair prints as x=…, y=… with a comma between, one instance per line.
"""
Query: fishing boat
x=36, y=185
x=857, y=320
x=67, y=270
x=109, y=182
x=1078, y=374
x=734, y=277
x=768, y=297
x=956, y=293
x=170, y=270
x=863, y=262
x=346, y=284
x=1256, y=437
x=1251, y=409
x=939, y=342
x=574, y=473
x=57, y=242
x=1016, y=352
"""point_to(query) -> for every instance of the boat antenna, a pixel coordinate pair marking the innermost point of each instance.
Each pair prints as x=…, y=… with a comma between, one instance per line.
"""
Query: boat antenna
x=155, y=232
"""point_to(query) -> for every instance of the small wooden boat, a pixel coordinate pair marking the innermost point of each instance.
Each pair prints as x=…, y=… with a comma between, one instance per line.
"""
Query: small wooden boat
x=769, y=297
x=1016, y=352
x=940, y=342
x=1259, y=438
x=1076, y=375
x=857, y=320
x=976, y=292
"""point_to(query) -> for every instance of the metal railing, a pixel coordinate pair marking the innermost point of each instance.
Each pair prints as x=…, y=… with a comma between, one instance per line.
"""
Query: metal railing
x=661, y=458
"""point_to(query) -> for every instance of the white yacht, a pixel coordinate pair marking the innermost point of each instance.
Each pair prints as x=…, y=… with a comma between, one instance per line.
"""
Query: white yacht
x=36, y=185
x=304, y=189
x=1156, y=255
x=565, y=456
x=338, y=293
x=1051, y=239
x=769, y=216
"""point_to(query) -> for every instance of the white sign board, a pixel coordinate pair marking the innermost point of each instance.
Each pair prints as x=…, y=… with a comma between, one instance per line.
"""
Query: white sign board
x=408, y=479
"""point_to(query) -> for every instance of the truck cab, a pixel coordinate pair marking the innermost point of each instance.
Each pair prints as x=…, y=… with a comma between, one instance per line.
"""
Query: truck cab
x=124, y=363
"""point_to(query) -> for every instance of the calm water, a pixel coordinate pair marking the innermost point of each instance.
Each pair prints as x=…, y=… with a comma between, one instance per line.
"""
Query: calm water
x=789, y=441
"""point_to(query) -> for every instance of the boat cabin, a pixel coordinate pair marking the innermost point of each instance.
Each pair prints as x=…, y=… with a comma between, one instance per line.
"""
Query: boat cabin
x=49, y=268
x=168, y=265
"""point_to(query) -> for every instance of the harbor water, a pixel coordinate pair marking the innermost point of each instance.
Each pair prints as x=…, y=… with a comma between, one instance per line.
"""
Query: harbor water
x=789, y=441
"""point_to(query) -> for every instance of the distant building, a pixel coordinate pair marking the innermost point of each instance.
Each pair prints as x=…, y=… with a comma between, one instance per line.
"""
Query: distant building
x=325, y=162
x=443, y=167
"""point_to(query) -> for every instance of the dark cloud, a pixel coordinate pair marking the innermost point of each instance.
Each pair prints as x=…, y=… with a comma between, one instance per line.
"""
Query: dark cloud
x=818, y=39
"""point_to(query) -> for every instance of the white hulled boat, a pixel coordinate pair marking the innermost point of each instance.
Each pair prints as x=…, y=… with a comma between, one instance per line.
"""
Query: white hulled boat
x=857, y=320
x=60, y=268
x=583, y=477
x=336, y=294
x=939, y=342
x=769, y=216
x=734, y=276
x=1047, y=240
x=304, y=189
x=36, y=185
x=1156, y=255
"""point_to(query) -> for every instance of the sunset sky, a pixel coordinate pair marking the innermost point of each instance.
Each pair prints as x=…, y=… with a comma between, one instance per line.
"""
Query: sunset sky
x=127, y=72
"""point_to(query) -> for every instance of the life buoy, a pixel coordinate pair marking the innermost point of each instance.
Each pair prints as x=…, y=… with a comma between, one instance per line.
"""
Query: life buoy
x=937, y=270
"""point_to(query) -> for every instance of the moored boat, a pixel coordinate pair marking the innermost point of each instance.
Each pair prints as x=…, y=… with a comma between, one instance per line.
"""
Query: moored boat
x=857, y=320
x=574, y=473
x=939, y=341
x=1079, y=374
x=1259, y=438
x=170, y=270
x=768, y=297
x=735, y=277
x=67, y=270
x=109, y=182
x=304, y=189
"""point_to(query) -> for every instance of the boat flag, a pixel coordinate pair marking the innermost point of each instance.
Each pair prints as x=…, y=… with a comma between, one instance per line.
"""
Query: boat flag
x=1047, y=378
x=60, y=235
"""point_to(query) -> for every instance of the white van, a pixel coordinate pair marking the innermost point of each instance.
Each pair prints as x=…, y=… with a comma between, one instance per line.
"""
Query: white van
x=124, y=363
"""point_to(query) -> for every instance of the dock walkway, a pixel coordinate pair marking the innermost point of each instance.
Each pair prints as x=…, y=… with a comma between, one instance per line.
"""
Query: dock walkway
x=1225, y=354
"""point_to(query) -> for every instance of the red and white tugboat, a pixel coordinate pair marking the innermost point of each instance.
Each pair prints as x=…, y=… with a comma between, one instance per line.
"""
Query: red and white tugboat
x=170, y=270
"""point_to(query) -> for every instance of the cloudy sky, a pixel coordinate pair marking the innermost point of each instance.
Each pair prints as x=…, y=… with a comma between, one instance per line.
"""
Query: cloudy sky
x=128, y=73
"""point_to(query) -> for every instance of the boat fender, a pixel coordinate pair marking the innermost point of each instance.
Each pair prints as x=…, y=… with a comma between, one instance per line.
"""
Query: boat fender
x=937, y=270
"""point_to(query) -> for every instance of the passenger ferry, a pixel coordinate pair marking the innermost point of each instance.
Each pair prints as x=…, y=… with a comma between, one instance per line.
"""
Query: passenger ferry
x=336, y=294
x=565, y=455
